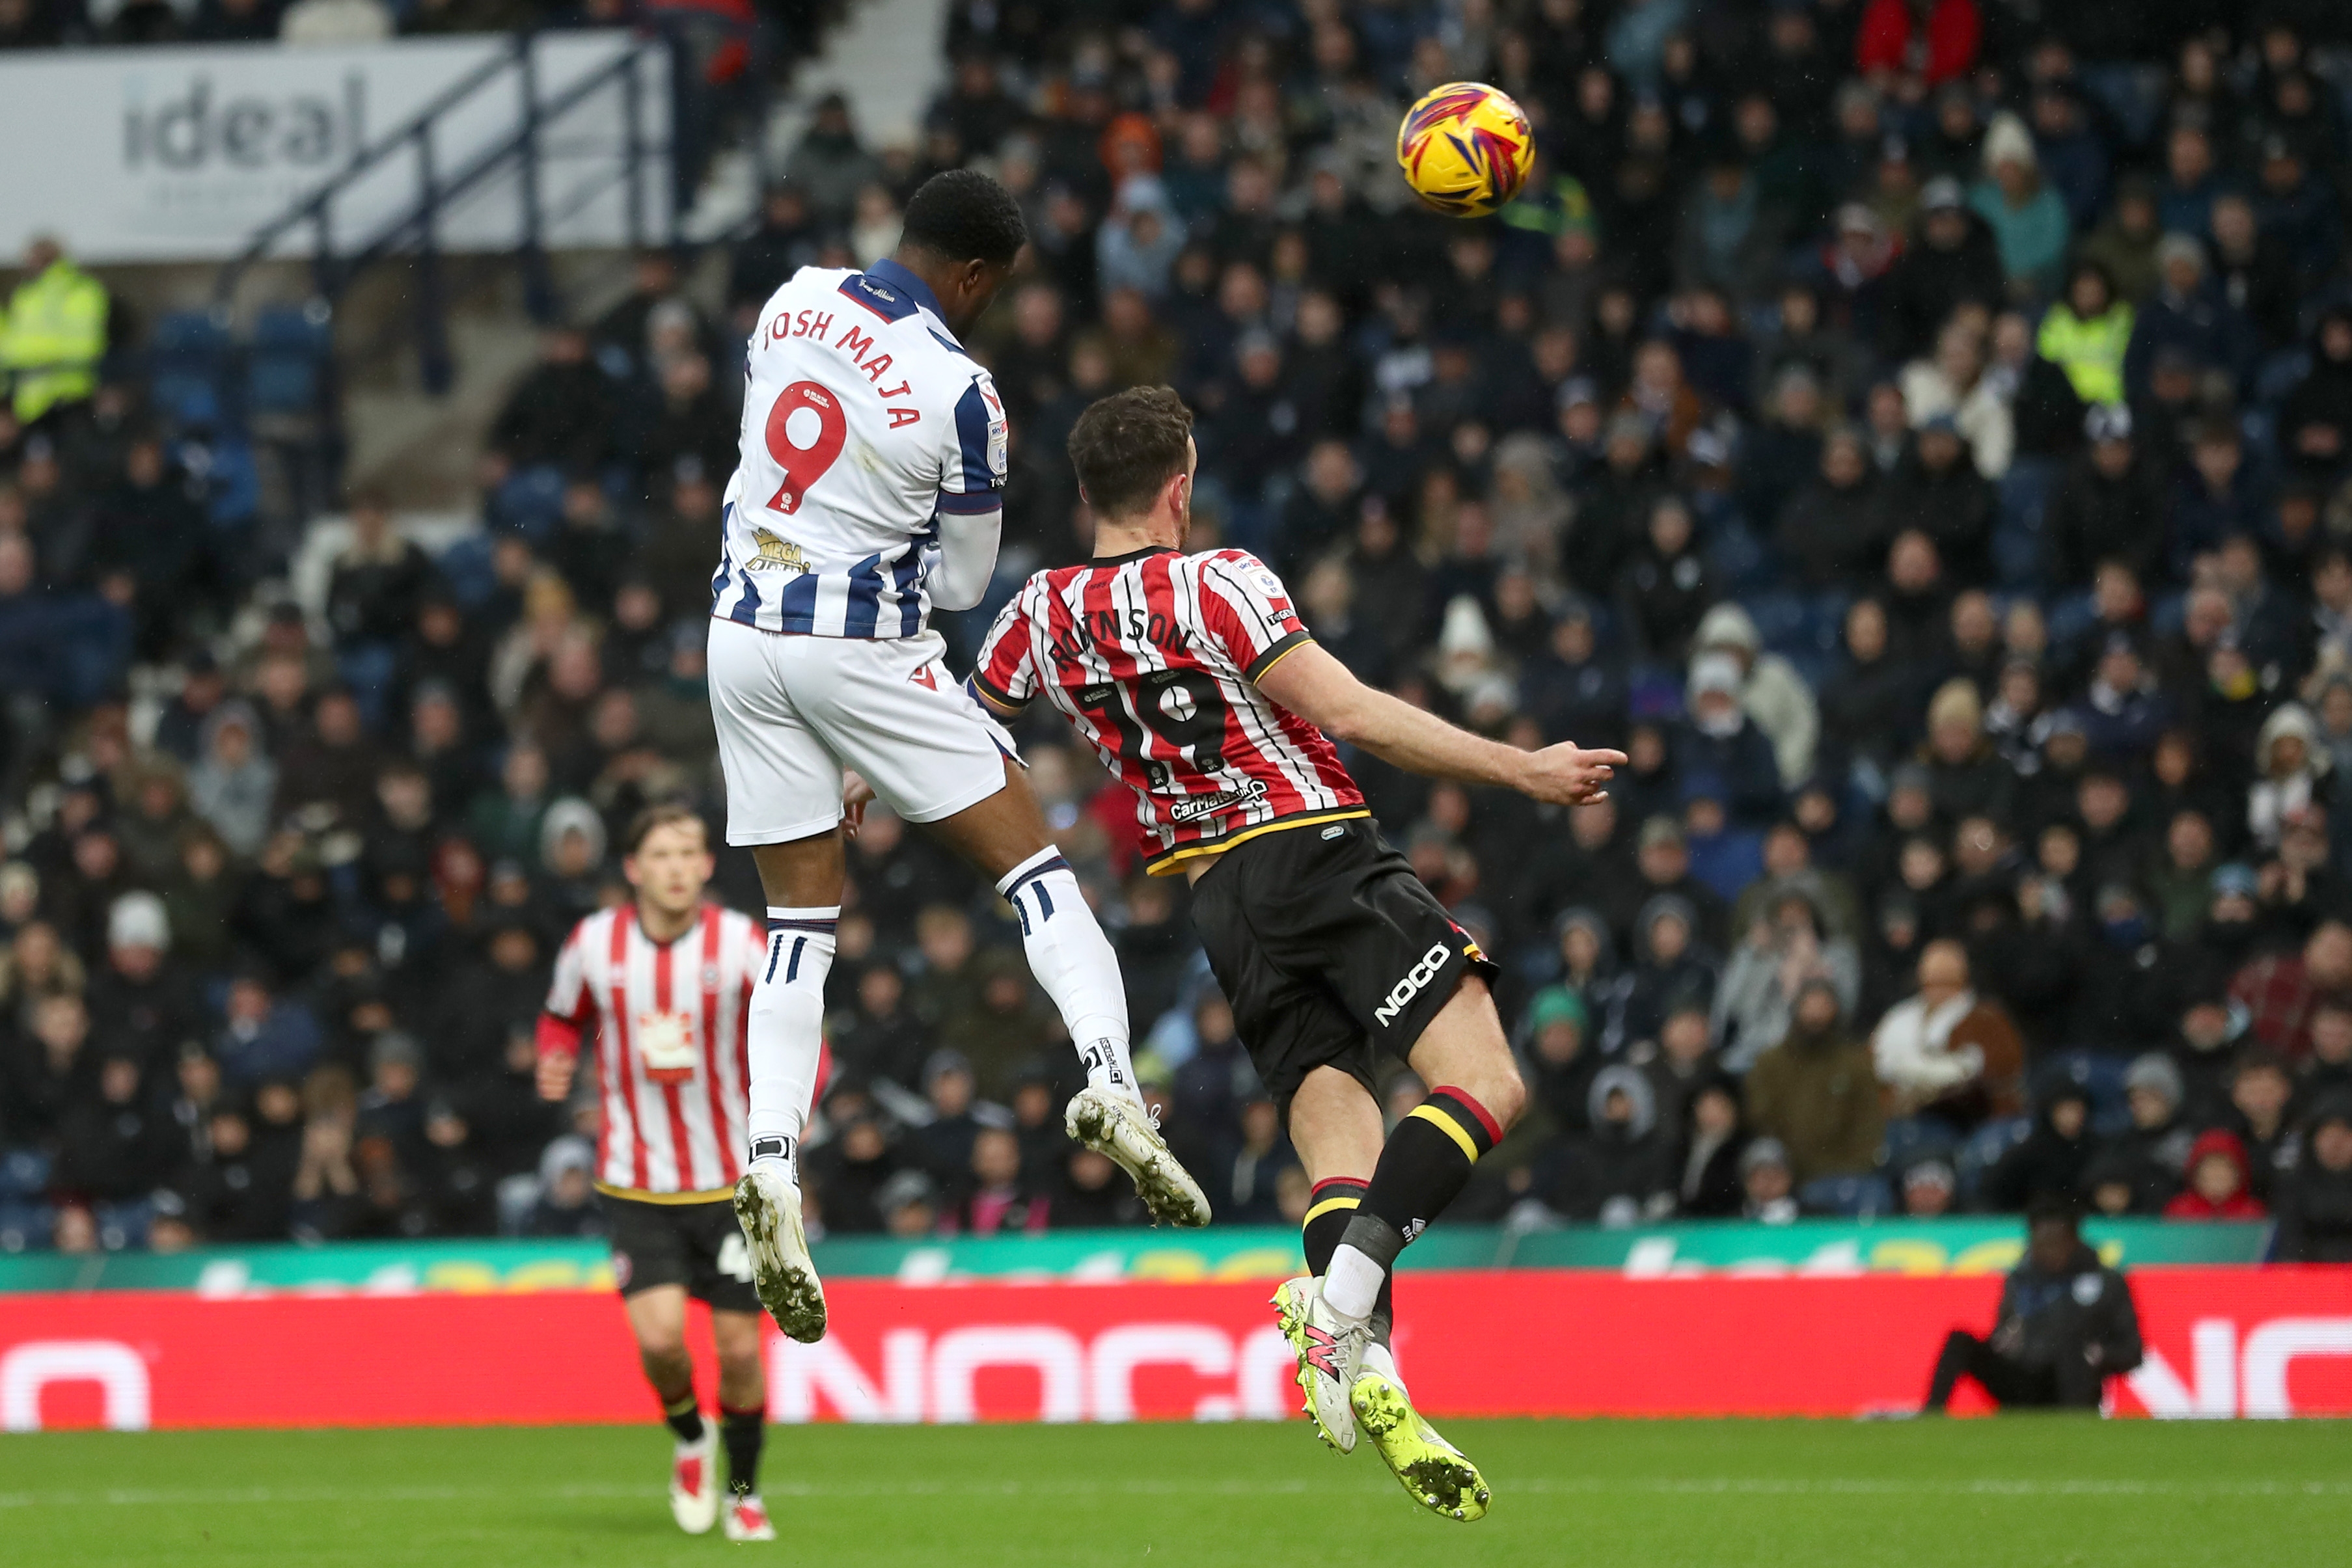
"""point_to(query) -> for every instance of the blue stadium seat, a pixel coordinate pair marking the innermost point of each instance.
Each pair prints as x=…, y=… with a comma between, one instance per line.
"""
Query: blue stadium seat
x=1739, y=558
x=530, y=502
x=190, y=359
x=286, y=366
x=1848, y=1197
x=122, y=1226
x=25, y=1226
x=1985, y=1145
x=469, y=567
x=233, y=484
x=2280, y=374
x=2097, y=1074
x=1910, y=1139
x=1779, y=619
x=1825, y=629
x=24, y=1173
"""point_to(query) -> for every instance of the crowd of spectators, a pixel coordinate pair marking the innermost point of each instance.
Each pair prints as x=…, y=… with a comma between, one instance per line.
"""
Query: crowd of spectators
x=1917, y=433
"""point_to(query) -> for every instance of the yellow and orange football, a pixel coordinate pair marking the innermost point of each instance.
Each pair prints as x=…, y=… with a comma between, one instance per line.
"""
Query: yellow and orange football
x=1464, y=148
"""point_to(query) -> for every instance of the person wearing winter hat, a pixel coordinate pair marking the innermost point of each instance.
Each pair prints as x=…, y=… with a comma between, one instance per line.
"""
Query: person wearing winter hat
x=2220, y=1183
x=2028, y=216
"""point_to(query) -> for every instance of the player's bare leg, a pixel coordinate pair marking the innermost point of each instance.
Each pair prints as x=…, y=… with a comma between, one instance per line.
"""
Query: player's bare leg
x=742, y=1420
x=784, y=1038
x=657, y=1319
x=1004, y=835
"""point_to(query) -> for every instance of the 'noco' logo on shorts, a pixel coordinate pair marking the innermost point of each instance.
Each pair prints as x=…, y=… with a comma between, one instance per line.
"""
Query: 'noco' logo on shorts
x=1404, y=990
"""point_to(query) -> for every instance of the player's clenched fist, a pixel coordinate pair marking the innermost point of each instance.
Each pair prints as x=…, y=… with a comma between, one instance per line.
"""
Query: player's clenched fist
x=1567, y=774
x=555, y=1070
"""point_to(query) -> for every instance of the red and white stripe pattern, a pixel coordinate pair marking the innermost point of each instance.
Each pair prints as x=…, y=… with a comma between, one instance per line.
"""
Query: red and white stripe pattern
x=671, y=1069
x=1154, y=659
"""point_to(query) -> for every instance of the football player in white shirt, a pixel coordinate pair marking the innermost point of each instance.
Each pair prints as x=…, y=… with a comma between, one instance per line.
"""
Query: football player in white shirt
x=870, y=488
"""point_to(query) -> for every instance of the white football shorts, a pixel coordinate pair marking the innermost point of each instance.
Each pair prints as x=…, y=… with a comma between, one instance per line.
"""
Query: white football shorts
x=792, y=711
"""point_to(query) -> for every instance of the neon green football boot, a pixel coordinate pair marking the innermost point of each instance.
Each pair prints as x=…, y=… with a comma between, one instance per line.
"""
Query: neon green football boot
x=1436, y=1473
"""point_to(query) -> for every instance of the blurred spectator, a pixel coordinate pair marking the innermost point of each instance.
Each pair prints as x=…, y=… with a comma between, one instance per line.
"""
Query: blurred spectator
x=1766, y=1184
x=2220, y=1182
x=1947, y=1053
x=52, y=333
x=2052, y=1162
x=2315, y=1201
x=1816, y=1090
x=264, y=1037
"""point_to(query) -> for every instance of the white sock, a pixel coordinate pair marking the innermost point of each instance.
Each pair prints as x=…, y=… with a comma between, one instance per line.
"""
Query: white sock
x=786, y=1031
x=1073, y=960
x=1353, y=1283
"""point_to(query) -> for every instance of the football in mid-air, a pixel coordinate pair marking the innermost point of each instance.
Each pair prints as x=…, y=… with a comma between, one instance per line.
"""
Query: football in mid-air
x=1464, y=148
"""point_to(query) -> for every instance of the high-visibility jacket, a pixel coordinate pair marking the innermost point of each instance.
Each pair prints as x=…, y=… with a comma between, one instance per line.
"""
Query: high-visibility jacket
x=52, y=339
x=2090, y=352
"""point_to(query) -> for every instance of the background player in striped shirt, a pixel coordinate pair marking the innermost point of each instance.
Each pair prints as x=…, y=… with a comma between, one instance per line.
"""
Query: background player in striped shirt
x=1195, y=683
x=666, y=982
x=873, y=461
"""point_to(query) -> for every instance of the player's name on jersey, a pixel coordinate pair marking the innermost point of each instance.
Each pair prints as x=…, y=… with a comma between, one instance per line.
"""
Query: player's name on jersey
x=855, y=341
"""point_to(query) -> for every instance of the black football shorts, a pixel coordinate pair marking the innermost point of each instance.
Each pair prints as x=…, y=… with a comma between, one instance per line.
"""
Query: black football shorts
x=696, y=1245
x=1329, y=948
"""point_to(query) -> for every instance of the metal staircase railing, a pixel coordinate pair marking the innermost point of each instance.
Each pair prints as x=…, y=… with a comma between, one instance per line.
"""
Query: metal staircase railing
x=417, y=226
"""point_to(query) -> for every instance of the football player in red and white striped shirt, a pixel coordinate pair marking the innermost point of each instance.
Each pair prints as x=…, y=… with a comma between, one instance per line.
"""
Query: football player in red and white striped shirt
x=667, y=981
x=1195, y=683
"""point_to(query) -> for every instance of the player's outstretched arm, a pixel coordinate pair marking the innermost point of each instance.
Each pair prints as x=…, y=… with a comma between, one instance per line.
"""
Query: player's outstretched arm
x=1315, y=686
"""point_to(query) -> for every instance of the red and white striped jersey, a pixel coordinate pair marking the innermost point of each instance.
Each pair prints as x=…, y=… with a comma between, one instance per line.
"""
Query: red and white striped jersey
x=1154, y=657
x=670, y=1022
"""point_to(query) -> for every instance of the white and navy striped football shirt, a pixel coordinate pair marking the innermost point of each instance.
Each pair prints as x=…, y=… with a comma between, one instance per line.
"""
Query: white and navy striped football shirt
x=863, y=420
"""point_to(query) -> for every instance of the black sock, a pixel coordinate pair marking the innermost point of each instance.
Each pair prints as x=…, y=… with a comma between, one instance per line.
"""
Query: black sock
x=743, y=1432
x=1423, y=1166
x=685, y=1417
x=1333, y=1205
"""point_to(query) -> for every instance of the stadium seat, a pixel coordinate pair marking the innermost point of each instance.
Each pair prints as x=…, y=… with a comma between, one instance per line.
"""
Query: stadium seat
x=1847, y=1197
x=1985, y=1145
x=24, y=1173
x=190, y=362
x=122, y=1226
x=286, y=365
x=516, y=1193
x=233, y=484
x=2097, y=1074
x=25, y=1226
x=530, y=502
x=1910, y=1139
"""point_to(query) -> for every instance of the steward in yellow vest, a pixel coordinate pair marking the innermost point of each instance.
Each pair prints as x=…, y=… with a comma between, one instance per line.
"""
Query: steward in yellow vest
x=54, y=333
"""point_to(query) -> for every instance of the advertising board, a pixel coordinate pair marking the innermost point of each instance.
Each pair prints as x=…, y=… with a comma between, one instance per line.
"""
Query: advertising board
x=2223, y=1342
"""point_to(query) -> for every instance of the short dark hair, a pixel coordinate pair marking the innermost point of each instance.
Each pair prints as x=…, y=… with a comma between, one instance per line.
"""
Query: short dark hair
x=1127, y=445
x=964, y=215
x=660, y=814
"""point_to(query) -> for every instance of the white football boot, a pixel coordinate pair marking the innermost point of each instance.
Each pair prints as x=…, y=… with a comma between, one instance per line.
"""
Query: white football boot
x=768, y=1207
x=1330, y=1352
x=1125, y=1133
x=747, y=1519
x=694, y=1482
